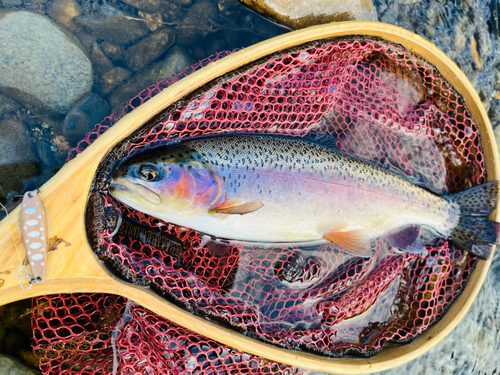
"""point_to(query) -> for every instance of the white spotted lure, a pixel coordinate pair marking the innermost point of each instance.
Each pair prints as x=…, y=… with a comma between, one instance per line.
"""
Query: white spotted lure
x=34, y=230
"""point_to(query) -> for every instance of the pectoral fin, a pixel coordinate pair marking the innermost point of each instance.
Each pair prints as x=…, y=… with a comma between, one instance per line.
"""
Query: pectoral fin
x=355, y=242
x=238, y=208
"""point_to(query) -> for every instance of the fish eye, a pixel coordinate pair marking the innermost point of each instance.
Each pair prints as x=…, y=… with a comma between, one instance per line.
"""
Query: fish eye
x=149, y=173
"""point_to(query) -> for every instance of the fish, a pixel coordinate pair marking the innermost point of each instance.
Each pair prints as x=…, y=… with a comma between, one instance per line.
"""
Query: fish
x=261, y=189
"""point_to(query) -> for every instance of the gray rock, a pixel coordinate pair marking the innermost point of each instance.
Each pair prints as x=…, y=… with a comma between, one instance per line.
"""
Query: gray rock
x=112, y=78
x=113, y=51
x=83, y=117
x=39, y=61
x=113, y=25
x=99, y=58
x=17, y=159
x=183, y=2
x=214, y=44
x=65, y=12
x=149, y=49
x=176, y=60
x=298, y=14
x=7, y=106
x=12, y=366
x=194, y=26
x=153, y=20
x=149, y=6
x=12, y=3
x=171, y=12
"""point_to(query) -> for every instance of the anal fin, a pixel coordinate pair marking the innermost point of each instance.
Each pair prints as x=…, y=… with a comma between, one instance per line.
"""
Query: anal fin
x=355, y=242
x=238, y=208
x=407, y=239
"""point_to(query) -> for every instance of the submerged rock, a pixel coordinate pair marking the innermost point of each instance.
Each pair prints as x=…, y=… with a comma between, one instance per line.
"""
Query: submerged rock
x=17, y=159
x=83, y=116
x=40, y=63
x=112, y=78
x=176, y=60
x=113, y=51
x=149, y=6
x=298, y=14
x=149, y=49
x=65, y=12
x=113, y=25
x=194, y=26
x=12, y=366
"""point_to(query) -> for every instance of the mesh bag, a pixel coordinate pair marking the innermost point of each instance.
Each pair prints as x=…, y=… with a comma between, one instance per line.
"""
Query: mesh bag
x=103, y=334
x=364, y=97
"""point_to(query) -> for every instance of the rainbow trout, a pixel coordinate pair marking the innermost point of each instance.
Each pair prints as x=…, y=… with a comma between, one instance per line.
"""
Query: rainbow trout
x=263, y=189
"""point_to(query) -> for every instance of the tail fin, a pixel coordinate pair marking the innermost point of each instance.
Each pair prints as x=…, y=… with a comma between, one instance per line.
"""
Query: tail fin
x=474, y=232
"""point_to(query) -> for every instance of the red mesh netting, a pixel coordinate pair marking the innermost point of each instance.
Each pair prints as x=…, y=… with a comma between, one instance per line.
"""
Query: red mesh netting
x=364, y=97
x=104, y=334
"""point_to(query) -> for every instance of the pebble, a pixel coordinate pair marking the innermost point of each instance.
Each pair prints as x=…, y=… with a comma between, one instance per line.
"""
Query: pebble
x=113, y=25
x=12, y=366
x=298, y=14
x=171, y=12
x=113, y=51
x=65, y=12
x=149, y=6
x=153, y=21
x=12, y=3
x=193, y=26
x=149, y=49
x=17, y=159
x=7, y=106
x=41, y=63
x=99, y=58
x=112, y=78
x=83, y=117
x=176, y=60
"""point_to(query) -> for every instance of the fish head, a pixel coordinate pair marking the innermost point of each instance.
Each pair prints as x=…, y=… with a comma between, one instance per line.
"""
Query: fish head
x=169, y=183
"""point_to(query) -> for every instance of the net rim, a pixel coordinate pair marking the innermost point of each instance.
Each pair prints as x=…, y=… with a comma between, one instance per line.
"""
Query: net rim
x=388, y=357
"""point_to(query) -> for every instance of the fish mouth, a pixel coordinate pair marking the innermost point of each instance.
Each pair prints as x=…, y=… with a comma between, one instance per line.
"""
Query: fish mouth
x=132, y=188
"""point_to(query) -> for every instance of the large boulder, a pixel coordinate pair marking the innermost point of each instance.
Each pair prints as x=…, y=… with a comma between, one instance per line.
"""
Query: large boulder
x=298, y=14
x=40, y=63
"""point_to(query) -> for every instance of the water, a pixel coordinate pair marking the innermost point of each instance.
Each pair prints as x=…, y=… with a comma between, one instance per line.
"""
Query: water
x=36, y=141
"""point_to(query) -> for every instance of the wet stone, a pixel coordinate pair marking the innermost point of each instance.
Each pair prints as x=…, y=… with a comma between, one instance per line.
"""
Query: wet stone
x=7, y=106
x=194, y=26
x=298, y=14
x=113, y=51
x=84, y=116
x=99, y=58
x=149, y=49
x=171, y=12
x=113, y=25
x=65, y=12
x=176, y=60
x=12, y=366
x=17, y=159
x=11, y=3
x=153, y=21
x=31, y=47
x=149, y=6
x=112, y=78
x=183, y=2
